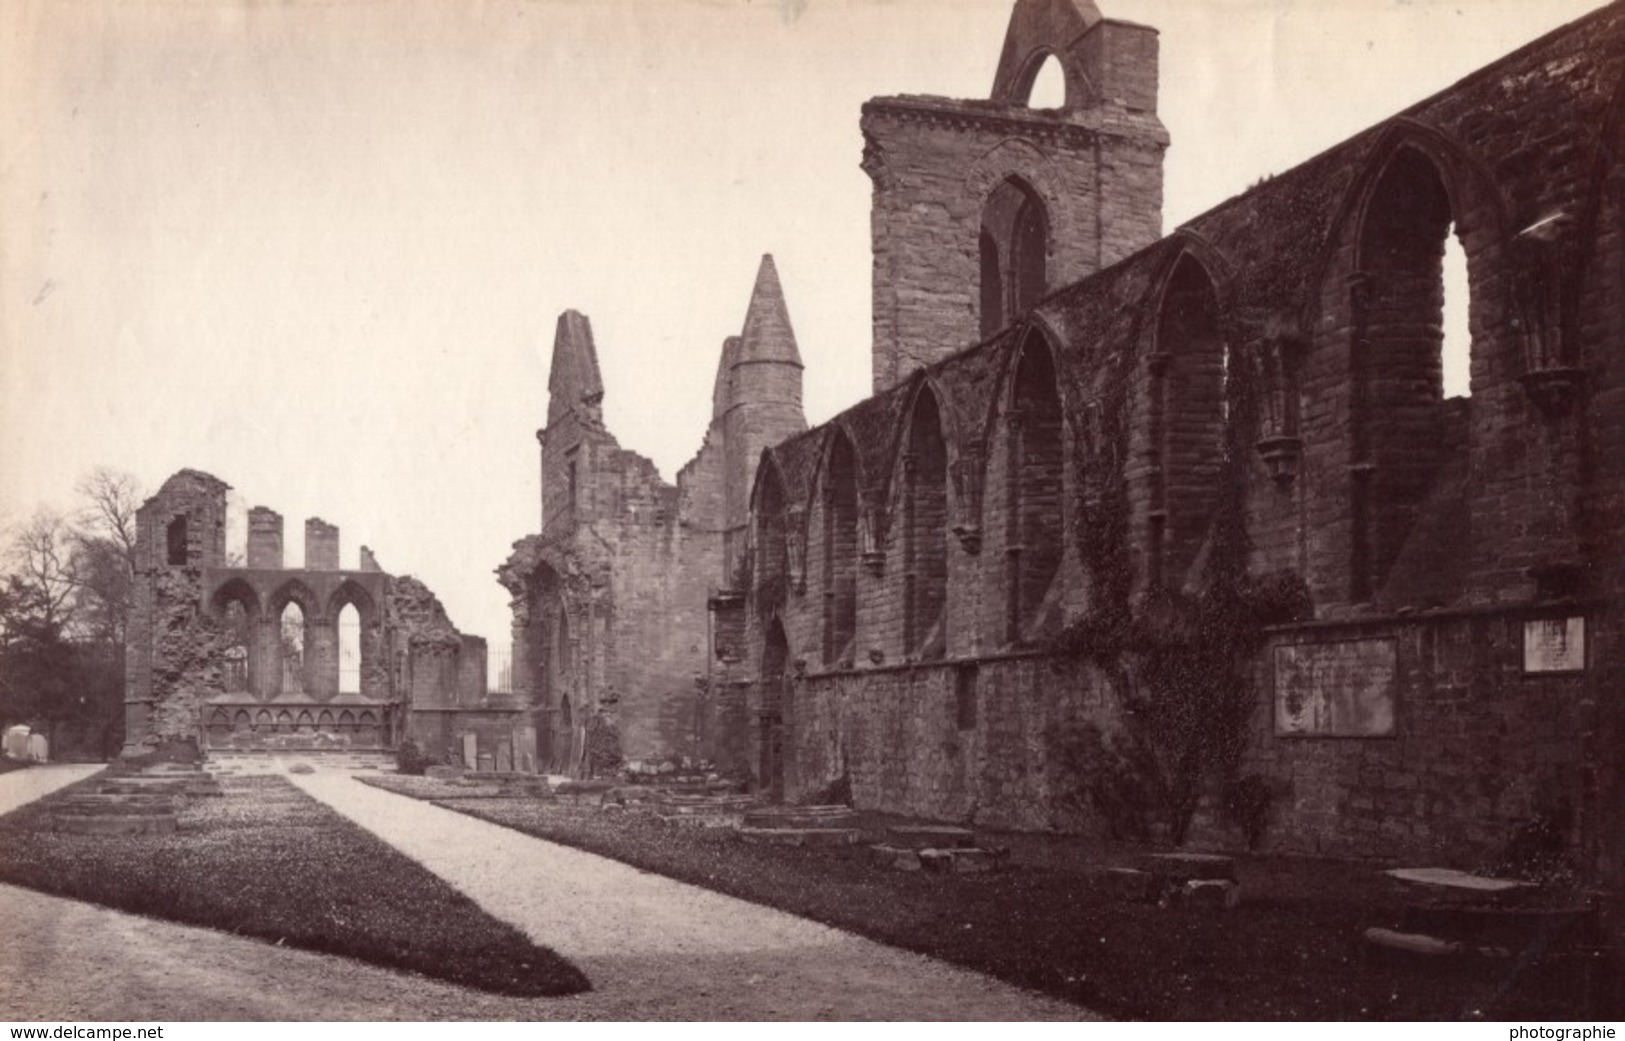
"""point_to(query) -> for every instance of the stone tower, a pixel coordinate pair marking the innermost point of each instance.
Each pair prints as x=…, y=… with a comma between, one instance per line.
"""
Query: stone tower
x=180, y=533
x=575, y=396
x=761, y=399
x=982, y=207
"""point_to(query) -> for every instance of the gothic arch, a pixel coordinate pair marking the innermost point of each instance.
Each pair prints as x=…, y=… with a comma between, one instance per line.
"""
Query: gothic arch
x=839, y=487
x=294, y=590
x=771, y=571
x=920, y=496
x=1188, y=410
x=1416, y=188
x=1034, y=431
x=1037, y=30
x=1013, y=247
x=350, y=591
x=354, y=639
x=235, y=590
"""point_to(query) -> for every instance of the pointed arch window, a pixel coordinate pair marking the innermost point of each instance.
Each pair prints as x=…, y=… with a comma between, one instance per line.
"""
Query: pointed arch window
x=924, y=503
x=291, y=641
x=840, y=546
x=349, y=625
x=1034, y=516
x=1401, y=431
x=1189, y=387
x=772, y=563
x=1014, y=250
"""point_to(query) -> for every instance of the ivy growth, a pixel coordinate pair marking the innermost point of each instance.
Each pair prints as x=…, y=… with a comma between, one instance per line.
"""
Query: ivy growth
x=1175, y=661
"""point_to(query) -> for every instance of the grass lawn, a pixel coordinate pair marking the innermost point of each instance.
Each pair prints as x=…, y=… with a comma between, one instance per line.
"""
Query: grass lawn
x=8, y=764
x=1293, y=950
x=266, y=860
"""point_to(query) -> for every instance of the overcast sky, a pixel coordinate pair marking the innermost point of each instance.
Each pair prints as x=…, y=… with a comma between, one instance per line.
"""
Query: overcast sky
x=317, y=248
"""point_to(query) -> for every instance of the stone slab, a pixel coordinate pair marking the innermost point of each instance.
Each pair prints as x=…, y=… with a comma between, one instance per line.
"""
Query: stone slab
x=930, y=836
x=959, y=860
x=1411, y=943
x=800, y=817
x=695, y=820
x=1211, y=893
x=1189, y=867
x=800, y=836
x=1452, y=879
x=895, y=857
x=126, y=824
x=1130, y=885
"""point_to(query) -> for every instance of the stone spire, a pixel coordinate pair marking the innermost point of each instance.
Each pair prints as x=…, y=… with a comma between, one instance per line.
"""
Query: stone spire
x=574, y=379
x=768, y=336
x=763, y=394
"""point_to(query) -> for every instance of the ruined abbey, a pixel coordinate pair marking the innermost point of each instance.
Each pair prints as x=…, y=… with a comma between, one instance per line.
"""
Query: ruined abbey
x=1142, y=534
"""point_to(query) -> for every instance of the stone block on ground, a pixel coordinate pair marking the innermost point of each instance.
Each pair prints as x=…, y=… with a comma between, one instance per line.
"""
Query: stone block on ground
x=976, y=859
x=1214, y=893
x=895, y=857
x=1189, y=867
x=579, y=793
x=120, y=824
x=960, y=860
x=698, y=820
x=1408, y=949
x=1129, y=885
x=443, y=773
x=800, y=836
x=930, y=836
x=1448, y=878
x=800, y=817
x=112, y=805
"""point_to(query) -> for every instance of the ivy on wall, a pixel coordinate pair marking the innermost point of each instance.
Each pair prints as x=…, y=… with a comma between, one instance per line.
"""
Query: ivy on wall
x=1175, y=660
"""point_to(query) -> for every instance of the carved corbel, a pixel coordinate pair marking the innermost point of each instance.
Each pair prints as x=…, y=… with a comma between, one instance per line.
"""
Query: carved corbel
x=966, y=474
x=872, y=531
x=795, y=547
x=1540, y=253
x=1279, y=445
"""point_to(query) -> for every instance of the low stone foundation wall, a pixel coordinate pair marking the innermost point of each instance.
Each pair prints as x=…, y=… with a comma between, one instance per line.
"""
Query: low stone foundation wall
x=963, y=741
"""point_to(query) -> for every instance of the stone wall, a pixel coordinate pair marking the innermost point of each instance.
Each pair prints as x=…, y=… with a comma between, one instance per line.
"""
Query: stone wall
x=1094, y=167
x=969, y=741
x=611, y=596
x=1254, y=399
x=209, y=661
x=1479, y=752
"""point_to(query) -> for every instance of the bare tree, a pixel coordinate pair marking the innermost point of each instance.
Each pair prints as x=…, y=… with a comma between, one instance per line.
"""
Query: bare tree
x=105, y=551
x=109, y=500
x=43, y=560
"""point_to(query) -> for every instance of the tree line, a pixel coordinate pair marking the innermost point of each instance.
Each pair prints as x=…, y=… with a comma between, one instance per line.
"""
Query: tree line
x=66, y=580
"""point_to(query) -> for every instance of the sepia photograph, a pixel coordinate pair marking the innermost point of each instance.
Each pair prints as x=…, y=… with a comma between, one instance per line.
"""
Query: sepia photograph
x=711, y=511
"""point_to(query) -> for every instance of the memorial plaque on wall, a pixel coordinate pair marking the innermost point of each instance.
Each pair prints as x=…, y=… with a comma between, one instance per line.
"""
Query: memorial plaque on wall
x=1554, y=645
x=1342, y=689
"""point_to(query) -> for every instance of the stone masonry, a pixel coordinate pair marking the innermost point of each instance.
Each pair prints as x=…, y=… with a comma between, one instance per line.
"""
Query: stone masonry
x=260, y=656
x=610, y=596
x=954, y=595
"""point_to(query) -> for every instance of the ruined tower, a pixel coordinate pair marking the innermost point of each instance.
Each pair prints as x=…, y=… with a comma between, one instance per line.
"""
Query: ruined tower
x=983, y=207
x=761, y=398
x=575, y=395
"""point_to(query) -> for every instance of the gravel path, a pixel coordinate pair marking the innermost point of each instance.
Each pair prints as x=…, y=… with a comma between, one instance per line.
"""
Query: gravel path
x=20, y=787
x=659, y=949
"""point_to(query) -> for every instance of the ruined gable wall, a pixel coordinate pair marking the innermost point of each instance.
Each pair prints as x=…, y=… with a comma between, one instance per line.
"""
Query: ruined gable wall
x=170, y=654
x=1097, y=170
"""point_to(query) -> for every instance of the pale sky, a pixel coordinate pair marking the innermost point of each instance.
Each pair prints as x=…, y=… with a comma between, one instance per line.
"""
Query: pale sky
x=317, y=248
